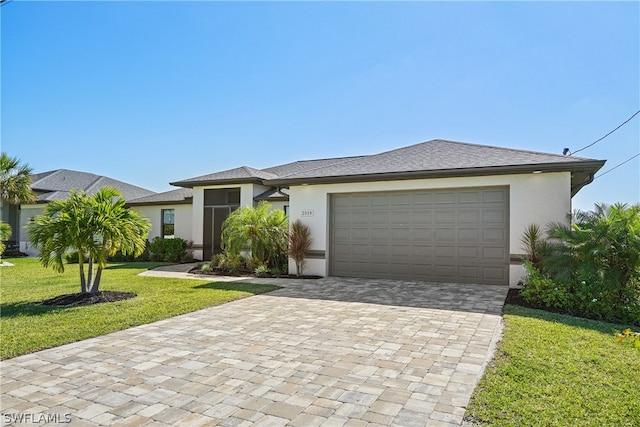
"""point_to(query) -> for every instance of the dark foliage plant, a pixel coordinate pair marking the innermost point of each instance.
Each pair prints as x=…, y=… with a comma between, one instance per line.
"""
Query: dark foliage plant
x=168, y=250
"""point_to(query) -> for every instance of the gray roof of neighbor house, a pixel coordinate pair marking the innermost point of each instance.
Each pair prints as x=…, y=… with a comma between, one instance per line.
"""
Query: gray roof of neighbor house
x=171, y=197
x=431, y=159
x=57, y=184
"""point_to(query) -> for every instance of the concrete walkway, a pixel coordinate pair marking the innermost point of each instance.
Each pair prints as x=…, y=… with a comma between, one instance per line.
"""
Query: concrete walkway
x=327, y=352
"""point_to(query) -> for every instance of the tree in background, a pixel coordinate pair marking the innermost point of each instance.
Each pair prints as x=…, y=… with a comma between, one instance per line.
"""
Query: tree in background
x=15, y=188
x=15, y=181
x=96, y=226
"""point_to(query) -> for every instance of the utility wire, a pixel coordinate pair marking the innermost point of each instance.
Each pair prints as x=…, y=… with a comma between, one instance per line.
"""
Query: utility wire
x=4, y=2
x=598, y=140
x=617, y=166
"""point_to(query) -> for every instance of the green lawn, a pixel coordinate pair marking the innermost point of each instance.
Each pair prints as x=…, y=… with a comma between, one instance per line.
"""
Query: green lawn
x=557, y=370
x=27, y=326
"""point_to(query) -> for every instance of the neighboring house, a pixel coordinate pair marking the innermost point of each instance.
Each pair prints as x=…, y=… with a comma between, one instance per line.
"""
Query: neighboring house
x=57, y=185
x=439, y=210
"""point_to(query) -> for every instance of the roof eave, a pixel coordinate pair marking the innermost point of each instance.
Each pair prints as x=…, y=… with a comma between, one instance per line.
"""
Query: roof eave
x=204, y=183
x=188, y=201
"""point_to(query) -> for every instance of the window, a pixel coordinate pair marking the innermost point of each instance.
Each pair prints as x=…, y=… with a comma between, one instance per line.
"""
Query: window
x=286, y=209
x=168, y=223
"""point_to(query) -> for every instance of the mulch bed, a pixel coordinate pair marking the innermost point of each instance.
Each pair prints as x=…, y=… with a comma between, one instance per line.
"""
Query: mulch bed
x=76, y=300
x=514, y=298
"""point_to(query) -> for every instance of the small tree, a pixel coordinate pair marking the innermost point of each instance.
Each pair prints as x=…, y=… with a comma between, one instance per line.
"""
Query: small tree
x=299, y=243
x=5, y=233
x=15, y=188
x=15, y=181
x=261, y=231
x=96, y=226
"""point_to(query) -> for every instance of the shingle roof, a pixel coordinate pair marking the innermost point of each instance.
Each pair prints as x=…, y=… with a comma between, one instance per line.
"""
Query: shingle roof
x=436, y=158
x=305, y=165
x=436, y=155
x=57, y=184
x=237, y=175
x=172, y=197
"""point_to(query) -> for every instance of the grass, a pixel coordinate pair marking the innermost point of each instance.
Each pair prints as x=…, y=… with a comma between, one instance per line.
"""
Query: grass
x=557, y=370
x=27, y=326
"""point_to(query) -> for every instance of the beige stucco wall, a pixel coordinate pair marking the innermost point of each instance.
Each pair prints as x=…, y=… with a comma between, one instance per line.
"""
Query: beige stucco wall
x=183, y=219
x=26, y=213
x=533, y=198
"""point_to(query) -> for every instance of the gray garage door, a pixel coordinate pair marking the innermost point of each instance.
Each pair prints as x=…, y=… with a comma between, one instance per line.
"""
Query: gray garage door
x=459, y=235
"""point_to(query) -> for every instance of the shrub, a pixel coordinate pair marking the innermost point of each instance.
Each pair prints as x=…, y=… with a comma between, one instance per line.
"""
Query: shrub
x=541, y=290
x=229, y=261
x=260, y=231
x=262, y=271
x=5, y=233
x=168, y=250
x=590, y=268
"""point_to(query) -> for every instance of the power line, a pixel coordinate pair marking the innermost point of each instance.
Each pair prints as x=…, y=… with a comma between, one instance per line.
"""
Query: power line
x=4, y=2
x=598, y=140
x=617, y=166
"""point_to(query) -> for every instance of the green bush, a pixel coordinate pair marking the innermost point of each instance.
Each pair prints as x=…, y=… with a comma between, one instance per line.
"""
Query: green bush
x=168, y=250
x=541, y=290
x=592, y=268
x=229, y=261
x=259, y=231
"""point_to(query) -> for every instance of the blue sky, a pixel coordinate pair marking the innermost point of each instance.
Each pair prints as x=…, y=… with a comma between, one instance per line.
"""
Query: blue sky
x=154, y=92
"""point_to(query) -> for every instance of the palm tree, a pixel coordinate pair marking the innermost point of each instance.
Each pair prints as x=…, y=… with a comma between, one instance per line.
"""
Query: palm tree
x=96, y=226
x=15, y=181
x=15, y=189
x=263, y=232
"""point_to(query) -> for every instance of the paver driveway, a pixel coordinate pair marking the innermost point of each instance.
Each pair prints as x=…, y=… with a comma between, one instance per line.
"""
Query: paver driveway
x=327, y=352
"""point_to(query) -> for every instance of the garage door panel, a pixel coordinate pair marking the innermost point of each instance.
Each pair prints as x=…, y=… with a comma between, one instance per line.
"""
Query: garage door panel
x=494, y=196
x=494, y=235
x=446, y=216
x=379, y=234
x=358, y=234
x=468, y=216
x=469, y=235
x=469, y=272
x=422, y=216
x=402, y=199
x=445, y=253
x=422, y=235
x=470, y=252
x=446, y=197
x=493, y=253
x=492, y=216
x=469, y=197
x=494, y=274
x=443, y=235
x=421, y=199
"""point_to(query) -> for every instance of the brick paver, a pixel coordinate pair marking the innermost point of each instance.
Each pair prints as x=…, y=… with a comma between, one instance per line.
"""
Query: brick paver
x=327, y=352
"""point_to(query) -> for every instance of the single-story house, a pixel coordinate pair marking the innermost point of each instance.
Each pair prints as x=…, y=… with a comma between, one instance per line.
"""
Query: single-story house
x=57, y=185
x=440, y=210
